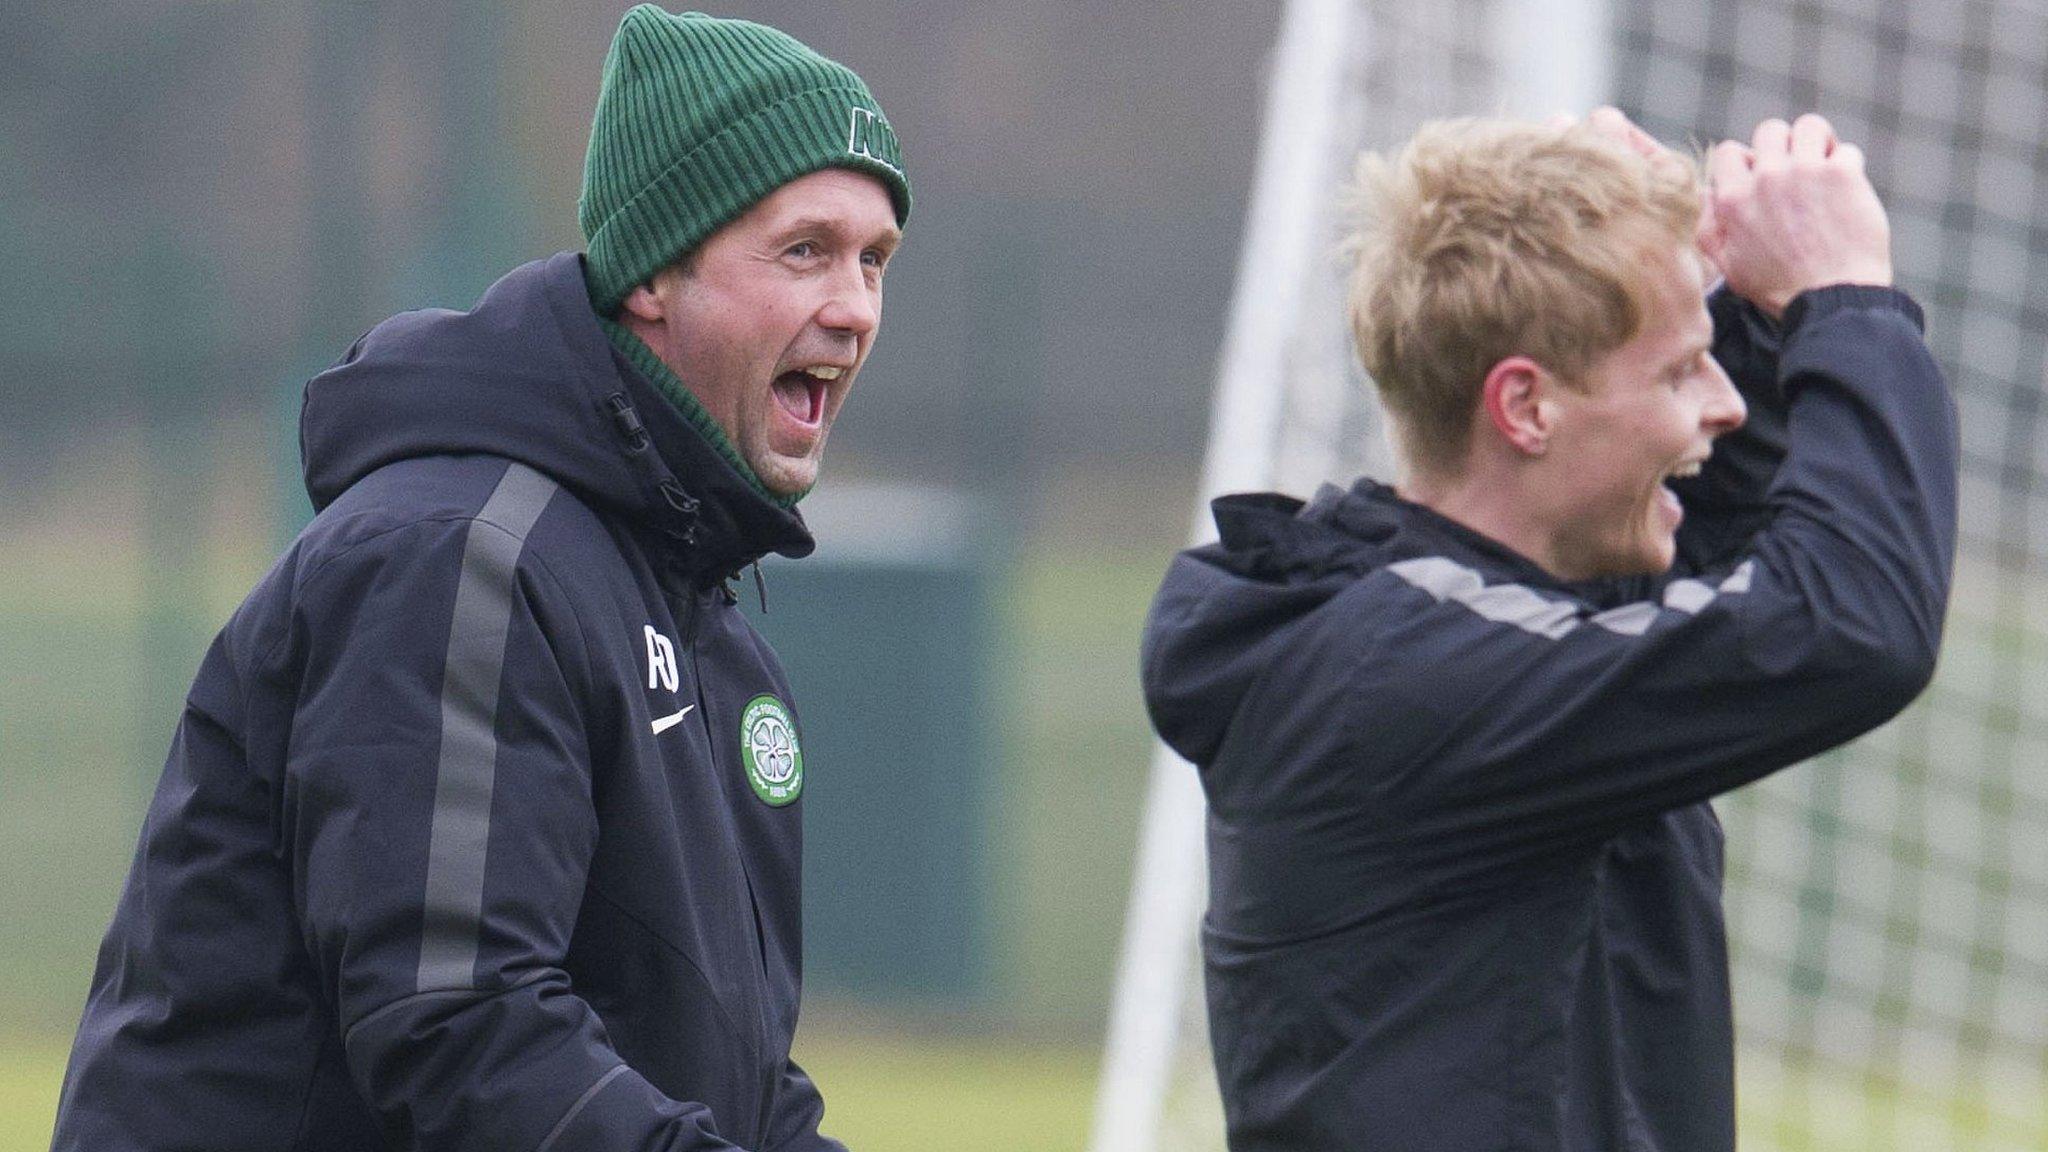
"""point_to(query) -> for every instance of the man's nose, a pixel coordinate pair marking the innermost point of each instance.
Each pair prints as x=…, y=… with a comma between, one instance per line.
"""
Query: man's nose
x=854, y=306
x=1725, y=411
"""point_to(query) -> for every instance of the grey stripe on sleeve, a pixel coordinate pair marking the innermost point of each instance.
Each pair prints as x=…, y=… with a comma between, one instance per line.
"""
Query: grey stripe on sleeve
x=1688, y=596
x=1513, y=604
x=1629, y=619
x=1503, y=603
x=465, y=776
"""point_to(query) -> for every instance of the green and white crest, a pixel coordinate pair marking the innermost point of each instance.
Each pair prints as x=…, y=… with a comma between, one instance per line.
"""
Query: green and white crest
x=769, y=748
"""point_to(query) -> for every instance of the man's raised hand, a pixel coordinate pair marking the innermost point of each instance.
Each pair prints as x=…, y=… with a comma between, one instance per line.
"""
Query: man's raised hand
x=1793, y=210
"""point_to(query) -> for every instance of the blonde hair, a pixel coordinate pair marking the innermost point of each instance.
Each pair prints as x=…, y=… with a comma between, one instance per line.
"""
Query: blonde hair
x=1484, y=239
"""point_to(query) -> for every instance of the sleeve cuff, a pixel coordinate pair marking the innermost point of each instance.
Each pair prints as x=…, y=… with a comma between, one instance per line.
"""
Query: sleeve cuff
x=1815, y=303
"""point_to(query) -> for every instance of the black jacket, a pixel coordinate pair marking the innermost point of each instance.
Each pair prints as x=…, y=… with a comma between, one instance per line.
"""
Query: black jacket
x=481, y=827
x=1465, y=890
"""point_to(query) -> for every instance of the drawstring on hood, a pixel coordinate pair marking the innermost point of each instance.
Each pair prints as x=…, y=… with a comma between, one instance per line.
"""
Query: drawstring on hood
x=631, y=430
x=529, y=374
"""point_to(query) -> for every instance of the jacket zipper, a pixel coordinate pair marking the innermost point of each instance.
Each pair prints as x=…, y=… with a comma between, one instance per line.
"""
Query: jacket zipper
x=760, y=987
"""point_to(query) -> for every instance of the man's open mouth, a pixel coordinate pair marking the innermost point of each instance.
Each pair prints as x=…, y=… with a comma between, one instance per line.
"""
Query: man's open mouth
x=1685, y=471
x=801, y=391
x=1667, y=497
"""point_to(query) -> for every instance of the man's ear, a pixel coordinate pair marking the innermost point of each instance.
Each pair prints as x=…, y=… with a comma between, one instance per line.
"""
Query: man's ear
x=644, y=301
x=1517, y=400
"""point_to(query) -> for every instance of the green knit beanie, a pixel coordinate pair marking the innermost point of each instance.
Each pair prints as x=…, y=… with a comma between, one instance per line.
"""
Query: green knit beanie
x=697, y=119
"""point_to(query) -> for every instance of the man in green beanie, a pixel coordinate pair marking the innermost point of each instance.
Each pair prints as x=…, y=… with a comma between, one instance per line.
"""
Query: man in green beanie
x=482, y=828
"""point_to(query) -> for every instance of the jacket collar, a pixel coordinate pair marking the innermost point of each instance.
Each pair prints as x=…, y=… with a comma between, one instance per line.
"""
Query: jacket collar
x=1354, y=530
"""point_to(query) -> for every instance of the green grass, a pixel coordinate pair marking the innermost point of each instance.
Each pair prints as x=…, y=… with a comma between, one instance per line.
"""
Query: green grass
x=1792, y=1105
x=910, y=1093
x=31, y=1069
x=901, y=1091
x=1075, y=779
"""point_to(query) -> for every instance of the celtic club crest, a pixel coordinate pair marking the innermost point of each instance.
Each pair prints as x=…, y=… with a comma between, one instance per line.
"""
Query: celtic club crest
x=769, y=748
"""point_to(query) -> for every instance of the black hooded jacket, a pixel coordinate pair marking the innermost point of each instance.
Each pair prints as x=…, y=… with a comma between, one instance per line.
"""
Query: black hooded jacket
x=481, y=828
x=1465, y=890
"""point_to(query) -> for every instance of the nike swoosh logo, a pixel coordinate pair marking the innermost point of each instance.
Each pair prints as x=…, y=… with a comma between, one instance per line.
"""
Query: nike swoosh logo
x=668, y=722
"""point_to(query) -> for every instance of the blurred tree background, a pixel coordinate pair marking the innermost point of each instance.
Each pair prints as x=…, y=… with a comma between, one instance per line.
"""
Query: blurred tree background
x=202, y=203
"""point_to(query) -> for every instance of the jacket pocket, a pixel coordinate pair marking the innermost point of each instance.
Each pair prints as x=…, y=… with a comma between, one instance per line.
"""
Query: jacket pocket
x=679, y=1020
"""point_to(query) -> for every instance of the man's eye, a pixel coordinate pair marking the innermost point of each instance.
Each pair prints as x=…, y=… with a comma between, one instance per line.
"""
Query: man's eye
x=873, y=259
x=802, y=250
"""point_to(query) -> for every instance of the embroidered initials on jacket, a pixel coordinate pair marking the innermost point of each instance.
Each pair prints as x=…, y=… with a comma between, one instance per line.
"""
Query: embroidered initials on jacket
x=661, y=660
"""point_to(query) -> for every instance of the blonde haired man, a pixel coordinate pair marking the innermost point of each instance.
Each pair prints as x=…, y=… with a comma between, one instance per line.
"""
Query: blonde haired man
x=1458, y=735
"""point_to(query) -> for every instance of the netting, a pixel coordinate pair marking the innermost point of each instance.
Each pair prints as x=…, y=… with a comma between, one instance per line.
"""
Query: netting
x=1888, y=903
x=1410, y=63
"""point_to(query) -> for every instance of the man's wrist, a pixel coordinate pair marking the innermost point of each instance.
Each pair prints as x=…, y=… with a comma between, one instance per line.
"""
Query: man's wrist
x=1814, y=303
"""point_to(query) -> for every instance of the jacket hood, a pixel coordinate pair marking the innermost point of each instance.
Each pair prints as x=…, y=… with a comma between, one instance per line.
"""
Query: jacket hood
x=529, y=374
x=1225, y=613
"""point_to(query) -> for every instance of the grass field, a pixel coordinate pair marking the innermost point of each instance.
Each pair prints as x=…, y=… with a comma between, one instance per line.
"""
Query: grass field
x=31, y=1068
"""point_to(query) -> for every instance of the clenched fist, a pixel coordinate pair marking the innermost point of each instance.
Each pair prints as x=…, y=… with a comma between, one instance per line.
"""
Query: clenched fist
x=1793, y=210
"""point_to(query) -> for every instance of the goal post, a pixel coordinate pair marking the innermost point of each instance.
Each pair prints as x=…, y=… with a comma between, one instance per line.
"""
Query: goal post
x=1298, y=159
